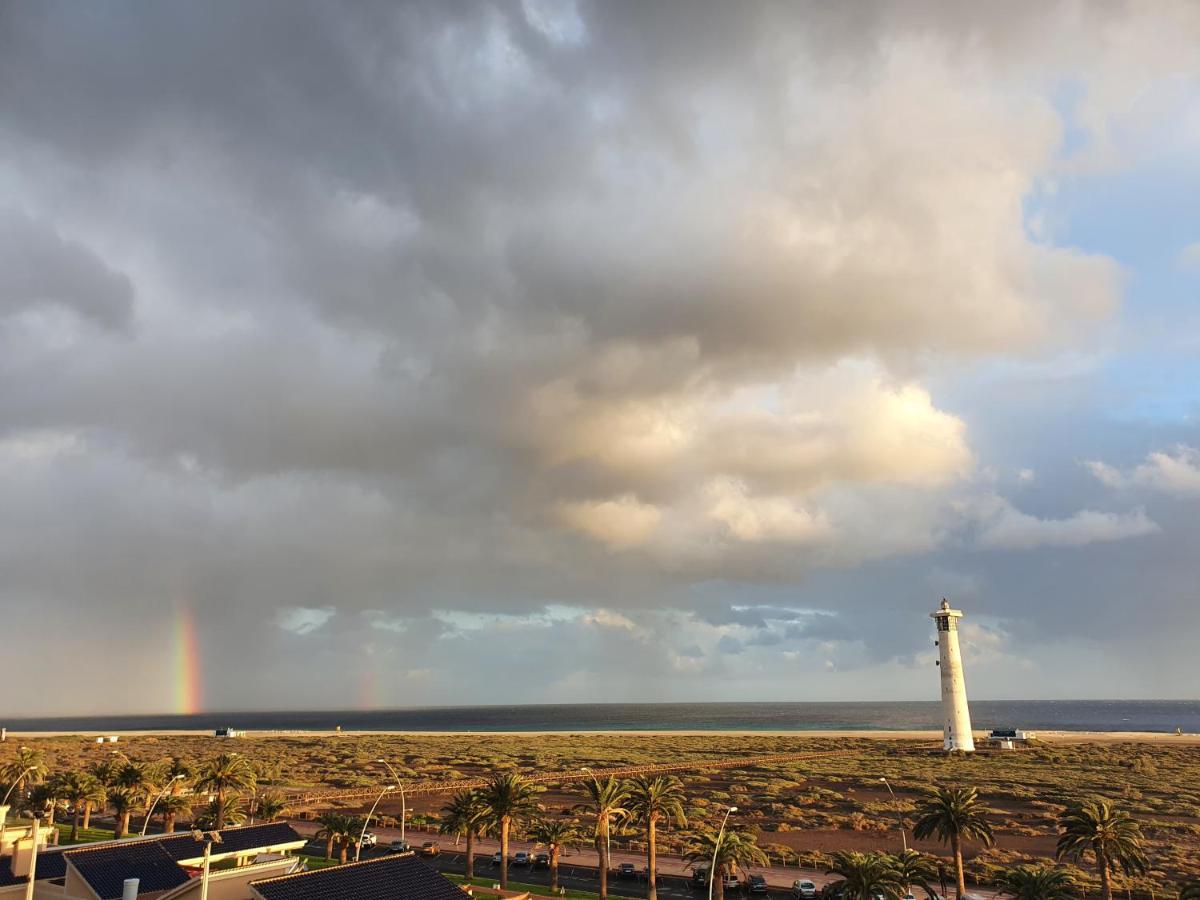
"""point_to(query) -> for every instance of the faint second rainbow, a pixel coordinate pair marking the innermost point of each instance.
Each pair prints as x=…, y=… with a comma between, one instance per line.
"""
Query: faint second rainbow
x=189, y=693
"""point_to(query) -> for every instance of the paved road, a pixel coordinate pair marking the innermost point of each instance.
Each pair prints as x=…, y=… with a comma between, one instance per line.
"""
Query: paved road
x=578, y=867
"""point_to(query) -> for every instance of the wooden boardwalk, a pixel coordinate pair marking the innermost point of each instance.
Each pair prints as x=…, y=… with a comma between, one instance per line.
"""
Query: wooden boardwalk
x=309, y=798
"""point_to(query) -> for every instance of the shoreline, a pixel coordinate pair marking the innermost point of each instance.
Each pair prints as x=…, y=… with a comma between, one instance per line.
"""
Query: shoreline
x=1057, y=736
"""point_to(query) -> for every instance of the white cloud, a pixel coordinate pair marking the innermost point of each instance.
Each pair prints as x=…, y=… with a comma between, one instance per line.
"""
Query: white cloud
x=303, y=619
x=1002, y=526
x=622, y=522
x=1189, y=257
x=1175, y=471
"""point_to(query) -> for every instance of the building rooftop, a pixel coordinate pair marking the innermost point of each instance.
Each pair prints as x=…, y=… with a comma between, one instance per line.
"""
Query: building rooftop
x=400, y=877
x=183, y=846
x=106, y=867
x=50, y=864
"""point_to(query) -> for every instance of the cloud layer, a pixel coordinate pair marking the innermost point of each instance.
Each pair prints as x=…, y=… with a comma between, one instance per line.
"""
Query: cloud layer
x=316, y=319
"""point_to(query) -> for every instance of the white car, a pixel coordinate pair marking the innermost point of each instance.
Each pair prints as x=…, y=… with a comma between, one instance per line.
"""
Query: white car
x=370, y=840
x=803, y=888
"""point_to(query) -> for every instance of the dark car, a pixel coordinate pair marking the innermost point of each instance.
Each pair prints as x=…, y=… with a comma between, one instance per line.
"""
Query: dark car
x=699, y=878
x=756, y=884
x=627, y=870
x=522, y=858
x=541, y=861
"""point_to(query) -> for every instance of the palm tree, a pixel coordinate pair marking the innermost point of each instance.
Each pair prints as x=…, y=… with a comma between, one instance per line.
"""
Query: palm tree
x=731, y=848
x=123, y=800
x=176, y=767
x=954, y=815
x=26, y=768
x=232, y=813
x=354, y=829
x=650, y=801
x=1036, y=883
x=1112, y=837
x=81, y=791
x=171, y=807
x=915, y=869
x=271, y=806
x=555, y=835
x=330, y=823
x=226, y=775
x=466, y=814
x=509, y=798
x=865, y=876
x=43, y=799
x=606, y=803
x=1189, y=890
x=338, y=830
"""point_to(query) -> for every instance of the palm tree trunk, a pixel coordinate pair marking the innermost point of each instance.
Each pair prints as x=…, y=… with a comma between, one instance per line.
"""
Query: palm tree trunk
x=651, y=858
x=50, y=815
x=505, y=821
x=122, y=827
x=960, y=884
x=554, y=869
x=220, y=823
x=169, y=823
x=1105, y=880
x=470, y=854
x=75, y=826
x=343, y=849
x=718, y=888
x=329, y=847
x=602, y=852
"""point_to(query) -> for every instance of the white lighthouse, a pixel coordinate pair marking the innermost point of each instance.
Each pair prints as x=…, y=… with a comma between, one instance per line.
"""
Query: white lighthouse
x=956, y=718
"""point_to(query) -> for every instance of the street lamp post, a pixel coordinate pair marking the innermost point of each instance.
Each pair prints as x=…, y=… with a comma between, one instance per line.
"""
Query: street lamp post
x=403, y=804
x=712, y=871
x=33, y=860
x=165, y=791
x=209, y=838
x=367, y=821
x=899, y=816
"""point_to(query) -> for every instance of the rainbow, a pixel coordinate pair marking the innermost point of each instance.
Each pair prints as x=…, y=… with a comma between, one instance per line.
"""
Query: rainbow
x=188, y=679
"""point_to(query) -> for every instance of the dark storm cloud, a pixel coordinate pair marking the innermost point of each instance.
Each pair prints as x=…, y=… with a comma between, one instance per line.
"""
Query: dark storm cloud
x=330, y=320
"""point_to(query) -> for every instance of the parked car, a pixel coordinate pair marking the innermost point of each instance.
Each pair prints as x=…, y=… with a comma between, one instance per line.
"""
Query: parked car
x=522, y=858
x=756, y=884
x=731, y=882
x=399, y=847
x=804, y=889
x=370, y=840
x=497, y=858
x=430, y=848
x=699, y=878
x=541, y=861
x=627, y=870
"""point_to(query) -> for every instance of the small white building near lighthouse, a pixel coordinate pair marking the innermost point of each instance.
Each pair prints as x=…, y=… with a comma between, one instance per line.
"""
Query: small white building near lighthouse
x=956, y=717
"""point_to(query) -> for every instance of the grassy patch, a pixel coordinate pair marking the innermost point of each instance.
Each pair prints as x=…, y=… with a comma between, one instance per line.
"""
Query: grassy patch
x=538, y=890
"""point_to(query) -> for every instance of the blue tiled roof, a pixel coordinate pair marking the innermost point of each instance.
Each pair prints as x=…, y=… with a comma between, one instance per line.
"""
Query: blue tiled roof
x=401, y=877
x=50, y=864
x=233, y=840
x=105, y=868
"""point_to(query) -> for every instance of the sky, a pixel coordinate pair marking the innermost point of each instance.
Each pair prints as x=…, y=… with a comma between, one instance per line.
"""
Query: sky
x=405, y=354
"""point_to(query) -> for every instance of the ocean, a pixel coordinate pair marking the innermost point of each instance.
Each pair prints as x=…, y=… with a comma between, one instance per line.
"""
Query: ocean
x=1044, y=715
